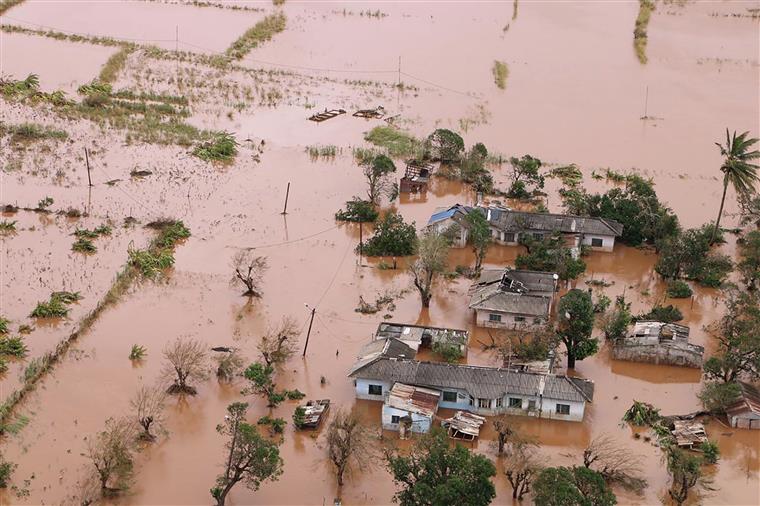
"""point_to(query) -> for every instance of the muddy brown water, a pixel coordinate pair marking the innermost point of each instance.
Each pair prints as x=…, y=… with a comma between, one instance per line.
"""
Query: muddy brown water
x=558, y=105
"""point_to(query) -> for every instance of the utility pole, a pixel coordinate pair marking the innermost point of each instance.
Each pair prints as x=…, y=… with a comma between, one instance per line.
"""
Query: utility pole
x=361, y=242
x=87, y=161
x=399, y=72
x=287, y=193
x=308, y=333
x=646, y=103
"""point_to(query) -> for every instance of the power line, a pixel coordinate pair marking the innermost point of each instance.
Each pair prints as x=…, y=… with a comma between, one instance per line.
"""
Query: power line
x=272, y=245
x=337, y=270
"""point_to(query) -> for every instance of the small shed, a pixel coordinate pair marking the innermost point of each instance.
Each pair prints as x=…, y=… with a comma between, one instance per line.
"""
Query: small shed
x=410, y=408
x=689, y=433
x=416, y=177
x=745, y=412
x=464, y=425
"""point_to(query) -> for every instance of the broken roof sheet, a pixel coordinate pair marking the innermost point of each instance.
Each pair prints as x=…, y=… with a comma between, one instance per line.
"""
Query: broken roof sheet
x=493, y=298
x=413, y=334
x=659, y=330
x=423, y=401
x=449, y=212
x=466, y=422
x=688, y=432
x=478, y=381
x=383, y=348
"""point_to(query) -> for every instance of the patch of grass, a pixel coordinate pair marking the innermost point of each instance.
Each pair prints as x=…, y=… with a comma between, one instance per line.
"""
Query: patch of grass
x=640, y=30
x=151, y=263
x=170, y=234
x=83, y=245
x=12, y=346
x=28, y=132
x=83, y=233
x=322, y=151
x=45, y=203
x=4, y=322
x=500, y=74
x=56, y=306
x=13, y=427
x=114, y=65
x=398, y=144
x=262, y=31
x=138, y=352
x=221, y=148
x=7, y=227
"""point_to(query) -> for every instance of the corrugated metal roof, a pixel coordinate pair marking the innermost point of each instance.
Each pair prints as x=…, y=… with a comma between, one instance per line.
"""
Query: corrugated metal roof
x=478, y=381
x=414, y=399
x=749, y=402
x=517, y=221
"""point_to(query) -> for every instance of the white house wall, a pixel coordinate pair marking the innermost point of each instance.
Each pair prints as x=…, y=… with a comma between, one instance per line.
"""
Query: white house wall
x=420, y=423
x=362, y=389
x=608, y=242
x=507, y=321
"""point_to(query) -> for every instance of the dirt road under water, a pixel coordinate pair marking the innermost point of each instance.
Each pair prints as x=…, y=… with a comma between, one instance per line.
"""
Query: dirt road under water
x=575, y=93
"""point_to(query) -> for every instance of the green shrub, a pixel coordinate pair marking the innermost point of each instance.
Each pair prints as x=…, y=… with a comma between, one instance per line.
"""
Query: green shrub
x=294, y=395
x=222, y=147
x=3, y=365
x=276, y=424
x=171, y=234
x=56, y=306
x=679, y=289
x=398, y=144
x=138, y=352
x=358, y=211
x=392, y=237
x=7, y=227
x=667, y=314
x=299, y=417
x=4, y=325
x=710, y=451
x=13, y=346
x=6, y=470
x=448, y=352
x=83, y=245
x=500, y=74
x=262, y=31
x=45, y=203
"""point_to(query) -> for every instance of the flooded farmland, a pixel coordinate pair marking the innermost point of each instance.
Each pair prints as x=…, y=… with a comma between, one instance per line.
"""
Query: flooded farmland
x=148, y=87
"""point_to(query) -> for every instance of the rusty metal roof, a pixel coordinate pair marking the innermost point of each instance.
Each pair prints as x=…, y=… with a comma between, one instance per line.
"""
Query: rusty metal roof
x=749, y=401
x=423, y=401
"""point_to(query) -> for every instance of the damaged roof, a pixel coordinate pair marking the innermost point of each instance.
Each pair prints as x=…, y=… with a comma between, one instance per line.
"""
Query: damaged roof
x=457, y=211
x=383, y=348
x=749, y=401
x=478, y=381
x=518, y=221
x=659, y=330
x=416, y=333
x=413, y=399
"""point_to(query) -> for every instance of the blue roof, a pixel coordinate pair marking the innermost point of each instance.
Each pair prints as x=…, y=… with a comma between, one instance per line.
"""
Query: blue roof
x=442, y=215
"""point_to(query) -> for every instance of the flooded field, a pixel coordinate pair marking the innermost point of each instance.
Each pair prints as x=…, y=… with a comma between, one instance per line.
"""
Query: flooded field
x=575, y=92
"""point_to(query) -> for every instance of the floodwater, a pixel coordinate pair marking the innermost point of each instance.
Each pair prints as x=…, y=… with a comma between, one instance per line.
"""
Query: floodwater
x=68, y=65
x=547, y=110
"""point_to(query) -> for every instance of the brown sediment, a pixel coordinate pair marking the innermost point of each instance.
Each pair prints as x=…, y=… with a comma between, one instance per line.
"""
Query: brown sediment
x=558, y=106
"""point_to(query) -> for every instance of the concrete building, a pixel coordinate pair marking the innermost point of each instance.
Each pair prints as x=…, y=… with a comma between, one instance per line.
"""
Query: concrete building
x=659, y=343
x=410, y=408
x=481, y=390
x=452, y=222
x=513, y=299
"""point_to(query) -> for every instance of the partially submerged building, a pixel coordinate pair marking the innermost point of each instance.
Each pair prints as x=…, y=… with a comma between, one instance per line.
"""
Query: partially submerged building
x=410, y=408
x=417, y=335
x=745, y=412
x=416, y=177
x=513, y=299
x=659, y=343
x=477, y=389
x=507, y=226
x=452, y=221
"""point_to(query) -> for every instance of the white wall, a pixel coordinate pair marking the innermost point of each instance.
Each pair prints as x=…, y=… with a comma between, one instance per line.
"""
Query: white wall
x=420, y=423
x=608, y=242
x=507, y=321
x=362, y=389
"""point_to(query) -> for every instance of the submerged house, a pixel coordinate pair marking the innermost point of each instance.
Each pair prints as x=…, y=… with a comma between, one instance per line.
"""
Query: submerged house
x=597, y=233
x=659, y=343
x=745, y=412
x=507, y=226
x=513, y=299
x=417, y=335
x=477, y=389
x=416, y=177
x=451, y=221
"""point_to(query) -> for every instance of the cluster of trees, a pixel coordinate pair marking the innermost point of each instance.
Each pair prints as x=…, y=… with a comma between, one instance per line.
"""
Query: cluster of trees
x=686, y=254
x=549, y=254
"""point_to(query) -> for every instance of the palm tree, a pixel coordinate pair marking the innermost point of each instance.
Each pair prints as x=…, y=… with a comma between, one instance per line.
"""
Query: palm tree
x=737, y=169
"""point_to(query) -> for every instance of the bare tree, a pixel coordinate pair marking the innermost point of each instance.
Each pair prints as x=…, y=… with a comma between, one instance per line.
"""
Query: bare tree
x=521, y=346
x=349, y=443
x=249, y=270
x=504, y=429
x=279, y=343
x=614, y=462
x=148, y=405
x=228, y=365
x=110, y=452
x=521, y=467
x=432, y=251
x=187, y=362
